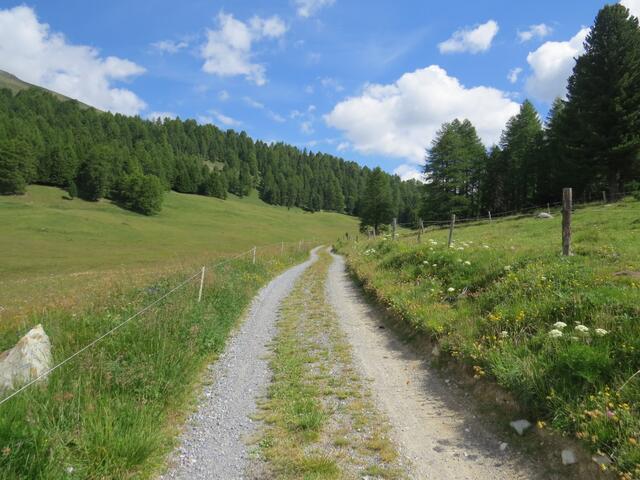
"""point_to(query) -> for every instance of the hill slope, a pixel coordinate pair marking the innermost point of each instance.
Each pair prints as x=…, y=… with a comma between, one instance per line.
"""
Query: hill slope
x=55, y=250
x=561, y=333
x=13, y=83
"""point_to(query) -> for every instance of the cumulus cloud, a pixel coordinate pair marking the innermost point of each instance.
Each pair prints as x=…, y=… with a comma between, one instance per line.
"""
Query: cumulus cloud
x=220, y=118
x=402, y=118
x=227, y=51
x=473, y=40
x=535, y=31
x=34, y=53
x=514, y=74
x=169, y=46
x=409, y=172
x=223, y=95
x=308, y=8
x=306, y=127
x=253, y=103
x=633, y=6
x=551, y=65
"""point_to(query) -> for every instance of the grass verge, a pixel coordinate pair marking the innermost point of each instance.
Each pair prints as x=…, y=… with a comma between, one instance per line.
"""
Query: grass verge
x=320, y=422
x=114, y=411
x=561, y=333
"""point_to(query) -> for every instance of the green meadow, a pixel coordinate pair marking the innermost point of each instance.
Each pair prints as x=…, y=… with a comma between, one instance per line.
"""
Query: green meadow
x=562, y=334
x=62, y=253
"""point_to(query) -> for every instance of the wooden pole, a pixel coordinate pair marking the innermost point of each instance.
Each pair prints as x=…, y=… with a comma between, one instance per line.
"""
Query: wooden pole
x=201, y=285
x=395, y=224
x=420, y=230
x=548, y=209
x=567, y=204
x=453, y=223
x=489, y=216
x=604, y=197
x=254, y=255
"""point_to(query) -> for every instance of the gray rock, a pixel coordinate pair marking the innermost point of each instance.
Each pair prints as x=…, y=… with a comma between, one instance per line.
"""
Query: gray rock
x=503, y=446
x=27, y=360
x=520, y=426
x=568, y=457
x=544, y=215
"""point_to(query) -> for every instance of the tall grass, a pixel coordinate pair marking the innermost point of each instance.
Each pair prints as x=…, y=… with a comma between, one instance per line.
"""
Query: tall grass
x=494, y=301
x=113, y=412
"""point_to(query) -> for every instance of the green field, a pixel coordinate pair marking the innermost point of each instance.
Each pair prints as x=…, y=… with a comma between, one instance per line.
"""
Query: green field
x=58, y=252
x=493, y=301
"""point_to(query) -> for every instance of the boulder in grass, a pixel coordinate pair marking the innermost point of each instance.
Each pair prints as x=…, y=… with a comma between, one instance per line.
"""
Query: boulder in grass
x=544, y=215
x=27, y=360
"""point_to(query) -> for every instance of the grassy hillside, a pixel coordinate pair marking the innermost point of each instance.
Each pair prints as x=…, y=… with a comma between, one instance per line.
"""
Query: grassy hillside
x=13, y=83
x=561, y=333
x=57, y=252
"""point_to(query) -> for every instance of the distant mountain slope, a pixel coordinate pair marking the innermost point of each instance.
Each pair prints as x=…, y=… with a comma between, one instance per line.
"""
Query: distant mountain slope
x=13, y=83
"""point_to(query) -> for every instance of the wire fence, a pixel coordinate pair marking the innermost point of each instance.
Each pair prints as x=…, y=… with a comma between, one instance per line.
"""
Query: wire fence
x=491, y=216
x=200, y=274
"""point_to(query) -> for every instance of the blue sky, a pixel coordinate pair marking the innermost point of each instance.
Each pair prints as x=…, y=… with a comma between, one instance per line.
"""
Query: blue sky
x=369, y=81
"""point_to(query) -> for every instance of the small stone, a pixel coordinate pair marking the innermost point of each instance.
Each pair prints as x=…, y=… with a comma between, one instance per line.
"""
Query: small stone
x=601, y=459
x=435, y=351
x=568, y=457
x=520, y=426
x=503, y=446
x=544, y=215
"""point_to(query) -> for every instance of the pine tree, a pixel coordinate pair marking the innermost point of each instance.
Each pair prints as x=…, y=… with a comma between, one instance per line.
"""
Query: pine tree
x=377, y=209
x=521, y=144
x=603, y=105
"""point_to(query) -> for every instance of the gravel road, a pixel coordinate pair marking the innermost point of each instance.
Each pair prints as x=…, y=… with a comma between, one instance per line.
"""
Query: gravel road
x=213, y=443
x=431, y=421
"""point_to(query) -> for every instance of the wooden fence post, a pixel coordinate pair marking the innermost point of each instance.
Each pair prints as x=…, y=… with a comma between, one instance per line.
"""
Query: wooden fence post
x=489, y=216
x=201, y=285
x=254, y=255
x=548, y=209
x=453, y=223
x=395, y=224
x=567, y=204
x=604, y=197
x=420, y=230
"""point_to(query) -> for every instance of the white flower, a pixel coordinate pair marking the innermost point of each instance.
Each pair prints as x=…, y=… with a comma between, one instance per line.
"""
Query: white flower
x=434, y=265
x=601, y=332
x=555, y=333
x=459, y=260
x=559, y=325
x=507, y=268
x=582, y=329
x=425, y=262
x=544, y=279
x=504, y=334
x=467, y=262
x=485, y=246
x=451, y=289
x=460, y=248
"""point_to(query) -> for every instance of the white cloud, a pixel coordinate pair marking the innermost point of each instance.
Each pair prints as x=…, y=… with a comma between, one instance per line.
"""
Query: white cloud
x=514, y=74
x=331, y=84
x=633, y=6
x=253, y=103
x=472, y=40
x=306, y=127
x=226, y=120
x=409, y=172
x=223, y=95
x=161, y=115
x=276, y=117
x=169, y=46
x=31, y=51
x=227, y=51
x=308, y=8
x=401, y=119
x=535, y=31
x=343, y=146
x=551, y=65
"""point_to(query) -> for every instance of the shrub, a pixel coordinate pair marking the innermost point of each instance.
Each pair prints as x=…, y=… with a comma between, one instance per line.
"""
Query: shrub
x=140, y=193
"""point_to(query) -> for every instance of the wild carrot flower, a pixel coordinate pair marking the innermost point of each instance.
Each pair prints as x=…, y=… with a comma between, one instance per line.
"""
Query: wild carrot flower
x=582, y=329
x=559, y=325
x=467, y=262
x=451, y=289
x=555, y=333
x=601, y=332
x=507, y=268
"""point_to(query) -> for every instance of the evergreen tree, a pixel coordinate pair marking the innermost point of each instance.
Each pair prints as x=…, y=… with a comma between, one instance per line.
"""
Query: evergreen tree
x=521, y=144
x=452, y=171
x=377, y=206
x=17, y=167
x=603, y=106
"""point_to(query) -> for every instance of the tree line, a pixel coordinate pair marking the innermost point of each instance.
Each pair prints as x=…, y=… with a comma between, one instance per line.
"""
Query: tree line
x=590, y=140
x=93, y=155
